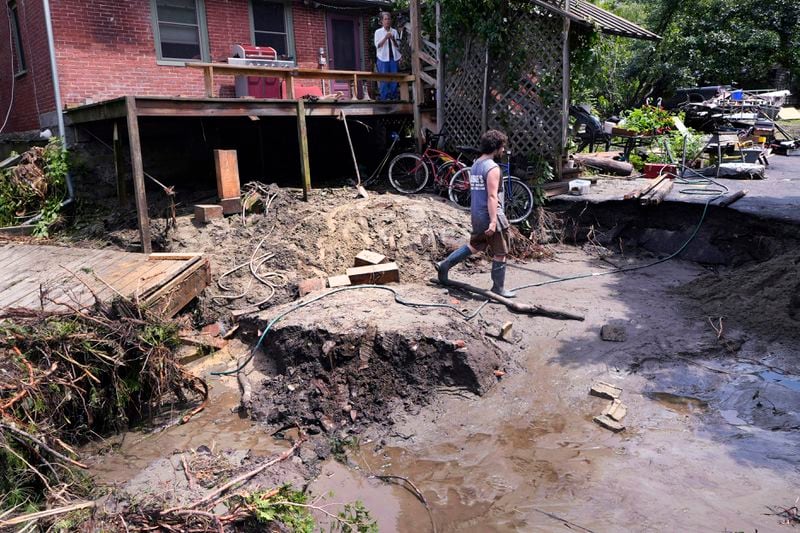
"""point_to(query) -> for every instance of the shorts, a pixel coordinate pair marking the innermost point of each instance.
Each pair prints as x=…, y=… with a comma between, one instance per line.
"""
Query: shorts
x=497, y=243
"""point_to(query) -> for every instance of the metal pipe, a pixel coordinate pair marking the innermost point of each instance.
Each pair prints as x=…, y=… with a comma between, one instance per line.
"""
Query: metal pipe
x=48, y=21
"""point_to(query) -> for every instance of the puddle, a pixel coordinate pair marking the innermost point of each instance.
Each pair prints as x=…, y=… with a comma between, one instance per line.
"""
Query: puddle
x=684, y=405
x=391, y=506
x=216, y=427
x=790, y=382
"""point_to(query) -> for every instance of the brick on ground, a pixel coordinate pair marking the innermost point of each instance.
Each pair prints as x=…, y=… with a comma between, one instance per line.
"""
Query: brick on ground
x=204, y=213
x=368, y=257
x=310, y=285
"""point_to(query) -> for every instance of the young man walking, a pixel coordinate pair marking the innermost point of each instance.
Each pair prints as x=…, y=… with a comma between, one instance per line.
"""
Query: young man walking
x=489, y=222
x=387, y=54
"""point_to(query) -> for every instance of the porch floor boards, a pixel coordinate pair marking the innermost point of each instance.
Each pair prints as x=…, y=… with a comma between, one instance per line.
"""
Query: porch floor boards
x=61, y=279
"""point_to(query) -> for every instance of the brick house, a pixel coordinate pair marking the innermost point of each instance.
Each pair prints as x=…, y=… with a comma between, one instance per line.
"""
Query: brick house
x=105, y=49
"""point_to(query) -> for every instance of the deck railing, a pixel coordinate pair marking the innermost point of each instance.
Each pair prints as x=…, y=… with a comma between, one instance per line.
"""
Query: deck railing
x=289, y=75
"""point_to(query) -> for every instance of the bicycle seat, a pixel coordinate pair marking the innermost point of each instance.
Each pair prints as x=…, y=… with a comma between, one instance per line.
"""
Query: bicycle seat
x=468, y=150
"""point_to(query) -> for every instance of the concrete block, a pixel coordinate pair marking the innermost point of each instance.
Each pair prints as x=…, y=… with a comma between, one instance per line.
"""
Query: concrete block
x=605, y=390
x=204, y=213
x=368, y=257
x=338, y=281
x=376, y=274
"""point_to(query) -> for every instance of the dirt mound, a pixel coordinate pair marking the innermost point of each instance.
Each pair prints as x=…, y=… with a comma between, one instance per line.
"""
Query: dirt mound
x=320, y=238
x=356, y=357
x=762, y=297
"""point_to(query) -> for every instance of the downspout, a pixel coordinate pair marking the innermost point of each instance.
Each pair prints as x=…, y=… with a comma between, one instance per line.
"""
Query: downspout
x=51, y=47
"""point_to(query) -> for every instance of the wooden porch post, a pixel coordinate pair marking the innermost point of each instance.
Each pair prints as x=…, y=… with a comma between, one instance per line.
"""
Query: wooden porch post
x=416, y=29
x=138, y=174
x=302, y=138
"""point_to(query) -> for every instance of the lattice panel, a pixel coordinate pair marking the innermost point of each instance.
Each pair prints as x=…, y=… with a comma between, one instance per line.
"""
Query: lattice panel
x=463, y=98
x=529, y=111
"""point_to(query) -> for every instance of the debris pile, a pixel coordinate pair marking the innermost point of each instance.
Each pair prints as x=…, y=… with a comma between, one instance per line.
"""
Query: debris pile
x=33, y=183
x=65, y=378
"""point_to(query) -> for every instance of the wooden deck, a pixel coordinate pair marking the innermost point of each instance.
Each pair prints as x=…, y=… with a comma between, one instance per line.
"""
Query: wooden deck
x=57, y=278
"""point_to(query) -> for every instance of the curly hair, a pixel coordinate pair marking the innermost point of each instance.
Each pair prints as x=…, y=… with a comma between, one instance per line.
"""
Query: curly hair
x=492, y=140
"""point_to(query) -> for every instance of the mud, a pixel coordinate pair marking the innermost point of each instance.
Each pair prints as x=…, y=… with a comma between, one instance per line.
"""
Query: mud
x=712, y=427
x=358, y=356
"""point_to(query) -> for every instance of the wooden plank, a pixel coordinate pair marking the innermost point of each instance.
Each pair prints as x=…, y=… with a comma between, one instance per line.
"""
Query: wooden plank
x=53, y=275
x=143, y=216
x=98, y=267
x=289, y=81
x=378, y=274
x=424, y=56
x=11, y=257
x=175, y=269
x=227, y=167
x=174, y=296
x=67, y=284
x=170, y=256
x=302, y=139
x=427, y=78
x=404, y=94
x=135, y=283
x=208, y=80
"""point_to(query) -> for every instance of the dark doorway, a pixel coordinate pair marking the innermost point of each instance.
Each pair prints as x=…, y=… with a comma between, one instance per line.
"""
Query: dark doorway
x=344, y=48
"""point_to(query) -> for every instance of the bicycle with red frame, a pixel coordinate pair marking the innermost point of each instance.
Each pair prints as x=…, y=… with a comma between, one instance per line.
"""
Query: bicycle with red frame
x=409, y=173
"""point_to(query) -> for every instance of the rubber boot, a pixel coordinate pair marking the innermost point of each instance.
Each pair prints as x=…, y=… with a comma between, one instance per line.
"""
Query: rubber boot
x=443, y=267
x=499, y=280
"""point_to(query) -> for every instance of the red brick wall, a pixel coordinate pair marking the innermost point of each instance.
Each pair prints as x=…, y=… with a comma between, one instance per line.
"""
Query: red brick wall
x=33, y=91
x=106, y=49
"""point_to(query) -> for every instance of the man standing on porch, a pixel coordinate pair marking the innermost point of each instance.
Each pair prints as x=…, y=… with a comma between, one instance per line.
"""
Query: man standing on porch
x=388, y=54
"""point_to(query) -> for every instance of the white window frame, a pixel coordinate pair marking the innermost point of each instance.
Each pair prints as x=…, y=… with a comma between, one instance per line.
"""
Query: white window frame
x=288, y=24
x=202, y=26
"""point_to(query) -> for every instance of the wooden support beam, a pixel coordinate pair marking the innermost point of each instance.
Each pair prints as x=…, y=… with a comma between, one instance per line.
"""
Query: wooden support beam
x=427, y=78
x=516, y=307
x=119, y=168
x=289, y=82
x=302, y=138
x=416, y=43
x=142, y=215
x=208, y=78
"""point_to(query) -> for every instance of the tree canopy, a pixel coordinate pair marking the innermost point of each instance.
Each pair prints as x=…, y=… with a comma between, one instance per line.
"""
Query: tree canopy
x=748, y=43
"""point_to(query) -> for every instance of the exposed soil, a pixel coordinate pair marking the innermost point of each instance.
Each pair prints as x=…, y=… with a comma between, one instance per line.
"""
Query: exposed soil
x=357, y=357
x=763, y=298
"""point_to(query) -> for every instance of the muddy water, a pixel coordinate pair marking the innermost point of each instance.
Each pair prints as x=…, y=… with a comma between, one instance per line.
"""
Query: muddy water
x=216, y=427
x=681, y=404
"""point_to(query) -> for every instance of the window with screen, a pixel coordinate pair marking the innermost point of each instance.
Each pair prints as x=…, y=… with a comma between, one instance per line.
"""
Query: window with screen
x=19, y=54
x=180, y=29
x=272, y=26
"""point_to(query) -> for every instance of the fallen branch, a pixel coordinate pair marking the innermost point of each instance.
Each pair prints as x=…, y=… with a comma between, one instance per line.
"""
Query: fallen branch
x=232, y=483
x=41, y=443
x=44, y=514
x=516, y=307
x=729, y=200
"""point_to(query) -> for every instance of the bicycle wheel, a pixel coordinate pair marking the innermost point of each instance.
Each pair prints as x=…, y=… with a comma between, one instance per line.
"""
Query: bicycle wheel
x=458, y=191
x=408, y=173
x=518, y=199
